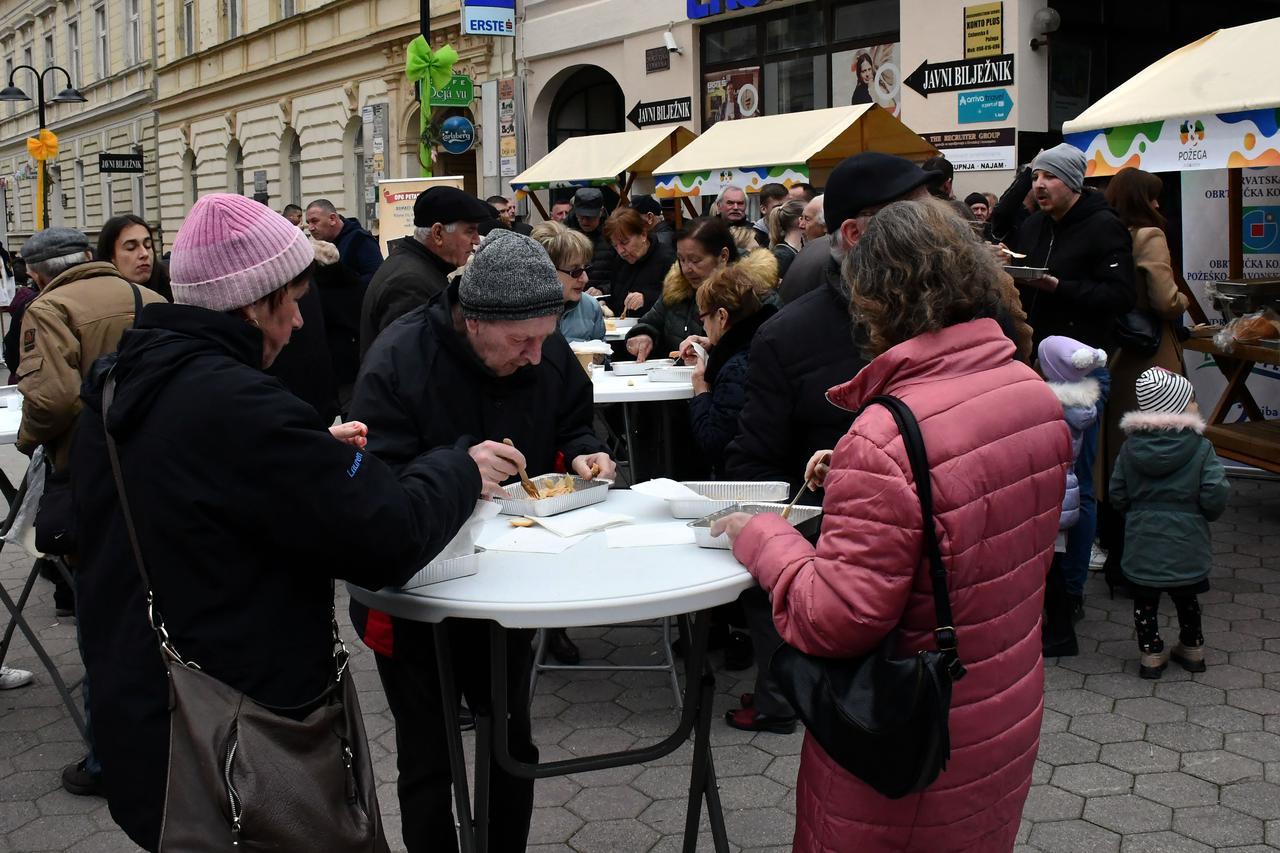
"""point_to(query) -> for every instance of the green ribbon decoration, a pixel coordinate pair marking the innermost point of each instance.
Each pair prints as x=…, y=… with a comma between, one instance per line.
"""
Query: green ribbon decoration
x=431, y=69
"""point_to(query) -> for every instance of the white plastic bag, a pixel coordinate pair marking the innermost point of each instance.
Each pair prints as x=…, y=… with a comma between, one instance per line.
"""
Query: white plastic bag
x=22, y=531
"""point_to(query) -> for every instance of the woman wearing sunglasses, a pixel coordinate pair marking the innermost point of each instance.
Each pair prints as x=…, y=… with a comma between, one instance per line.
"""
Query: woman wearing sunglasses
x=571, y=252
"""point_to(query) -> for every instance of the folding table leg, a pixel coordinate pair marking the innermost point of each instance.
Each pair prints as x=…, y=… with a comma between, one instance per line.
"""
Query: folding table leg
x=702, y=781
x=632, y=450
x=17, y=619
x=453, y=736
x=484, y=759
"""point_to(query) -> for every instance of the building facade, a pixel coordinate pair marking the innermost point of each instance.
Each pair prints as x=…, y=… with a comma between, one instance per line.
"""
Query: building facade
x=107, y=48
x=289, y=101
x=740, y=58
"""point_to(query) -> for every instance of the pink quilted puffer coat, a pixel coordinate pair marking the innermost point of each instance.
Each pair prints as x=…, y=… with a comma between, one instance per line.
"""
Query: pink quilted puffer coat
x=999, y=450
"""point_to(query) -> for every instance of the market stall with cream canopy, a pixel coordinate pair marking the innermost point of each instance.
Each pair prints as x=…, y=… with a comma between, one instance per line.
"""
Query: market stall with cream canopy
x=1213, y=104
x=784, y=149
x=611, y=160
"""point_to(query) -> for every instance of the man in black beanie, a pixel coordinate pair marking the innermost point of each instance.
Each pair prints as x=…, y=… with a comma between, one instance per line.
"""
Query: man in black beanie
x=446, y=229
x=806, y=349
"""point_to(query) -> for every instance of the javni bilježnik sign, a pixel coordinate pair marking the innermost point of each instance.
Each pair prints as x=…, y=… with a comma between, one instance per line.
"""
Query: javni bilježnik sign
x=934, y=77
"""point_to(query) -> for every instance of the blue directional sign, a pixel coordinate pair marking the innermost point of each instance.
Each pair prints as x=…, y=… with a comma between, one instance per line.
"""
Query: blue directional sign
x=985, y=106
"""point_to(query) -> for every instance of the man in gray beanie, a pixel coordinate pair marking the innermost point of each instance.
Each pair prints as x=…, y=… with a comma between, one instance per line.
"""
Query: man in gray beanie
x=1089, y=285
x=481, y=363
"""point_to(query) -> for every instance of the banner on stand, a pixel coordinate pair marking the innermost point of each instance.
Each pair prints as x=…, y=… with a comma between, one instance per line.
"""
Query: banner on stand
x=1204, y=260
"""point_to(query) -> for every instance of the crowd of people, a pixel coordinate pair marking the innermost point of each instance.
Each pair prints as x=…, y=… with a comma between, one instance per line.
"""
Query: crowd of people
x=277, y=376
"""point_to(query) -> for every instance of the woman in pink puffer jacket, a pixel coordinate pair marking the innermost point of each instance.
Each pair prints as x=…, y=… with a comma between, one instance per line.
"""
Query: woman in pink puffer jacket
x=998, y=450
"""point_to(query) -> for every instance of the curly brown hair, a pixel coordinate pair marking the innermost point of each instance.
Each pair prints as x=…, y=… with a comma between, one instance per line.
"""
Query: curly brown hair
x=917, y=269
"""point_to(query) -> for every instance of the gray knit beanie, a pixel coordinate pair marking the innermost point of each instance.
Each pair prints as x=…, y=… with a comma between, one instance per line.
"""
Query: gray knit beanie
x=510, y=277
x=1065, y=161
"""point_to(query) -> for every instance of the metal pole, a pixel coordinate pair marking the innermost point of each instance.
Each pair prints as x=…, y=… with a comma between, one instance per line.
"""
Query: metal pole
x=424, y=16
x=44, y=167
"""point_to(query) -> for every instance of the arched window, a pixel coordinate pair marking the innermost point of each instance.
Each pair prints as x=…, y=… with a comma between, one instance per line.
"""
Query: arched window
x=588, y=103
x=356, y=202
x=190, y=180
x=290, y=167
x=235, y=168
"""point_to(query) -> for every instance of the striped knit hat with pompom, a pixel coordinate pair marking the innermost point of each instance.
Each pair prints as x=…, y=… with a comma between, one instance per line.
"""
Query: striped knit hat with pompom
x=231, y=251
x=1162, y=391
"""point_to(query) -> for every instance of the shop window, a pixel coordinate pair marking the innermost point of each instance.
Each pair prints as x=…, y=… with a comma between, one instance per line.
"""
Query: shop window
x=588, y=103
x=795, y=85
x=798, y=28
x=863, y=20
x=358, y=199
x=729, y=45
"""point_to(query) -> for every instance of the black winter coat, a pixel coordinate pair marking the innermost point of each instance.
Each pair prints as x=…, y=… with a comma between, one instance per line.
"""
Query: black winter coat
x=644, y=276
x=246, y=513
x=411, y=277
x=1091, y=253
x=305, y=366
x=803, y=351
x=341, y=298
x=604, y=260
x=713, y=416
x=359, y=250
x=1010, y=213
x=545, y=410
x=807, y=271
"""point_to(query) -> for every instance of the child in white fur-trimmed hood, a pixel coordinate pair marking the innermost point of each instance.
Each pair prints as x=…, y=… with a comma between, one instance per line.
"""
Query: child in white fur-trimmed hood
x=1066, y=364
x=1169, y=484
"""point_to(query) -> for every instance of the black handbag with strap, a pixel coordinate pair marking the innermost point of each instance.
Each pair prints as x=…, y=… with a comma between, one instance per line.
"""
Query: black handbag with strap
x=1139, y=332
x=244, y=775
x=56, y=513
x=882, y=718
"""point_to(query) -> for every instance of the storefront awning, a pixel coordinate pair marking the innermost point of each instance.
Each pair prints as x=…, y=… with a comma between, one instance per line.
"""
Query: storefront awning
x=587, y=161
x=783, y=149
x=1209, y=105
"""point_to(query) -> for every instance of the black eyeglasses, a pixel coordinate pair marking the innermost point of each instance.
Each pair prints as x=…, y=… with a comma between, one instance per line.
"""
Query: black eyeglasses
x=576, y=271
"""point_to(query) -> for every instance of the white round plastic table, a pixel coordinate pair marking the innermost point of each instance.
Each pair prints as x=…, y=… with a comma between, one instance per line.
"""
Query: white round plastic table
x=609, y=387
x=589, y=584
x=10, y=413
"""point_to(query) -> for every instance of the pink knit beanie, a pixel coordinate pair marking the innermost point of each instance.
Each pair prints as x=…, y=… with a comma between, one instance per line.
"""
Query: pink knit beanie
x=231, y=251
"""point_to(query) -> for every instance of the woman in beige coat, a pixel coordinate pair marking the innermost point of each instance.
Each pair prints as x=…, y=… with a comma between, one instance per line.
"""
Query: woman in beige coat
x=1135, y=196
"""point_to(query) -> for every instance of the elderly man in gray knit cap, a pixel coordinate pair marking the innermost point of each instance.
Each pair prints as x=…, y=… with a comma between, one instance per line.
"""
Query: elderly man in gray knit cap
x=1089, y=285
x=481, y=363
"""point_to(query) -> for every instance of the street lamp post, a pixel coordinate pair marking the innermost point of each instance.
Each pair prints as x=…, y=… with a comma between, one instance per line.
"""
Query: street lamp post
x=68, y=95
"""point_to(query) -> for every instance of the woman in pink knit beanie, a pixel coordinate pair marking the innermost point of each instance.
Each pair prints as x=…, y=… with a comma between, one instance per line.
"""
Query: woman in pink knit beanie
x=246, y=511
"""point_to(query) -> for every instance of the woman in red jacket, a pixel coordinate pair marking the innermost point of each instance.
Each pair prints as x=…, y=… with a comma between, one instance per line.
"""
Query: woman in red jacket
x=998, y=451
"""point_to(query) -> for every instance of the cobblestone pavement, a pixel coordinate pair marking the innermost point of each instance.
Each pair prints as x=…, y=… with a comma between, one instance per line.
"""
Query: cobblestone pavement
x=1188, y=763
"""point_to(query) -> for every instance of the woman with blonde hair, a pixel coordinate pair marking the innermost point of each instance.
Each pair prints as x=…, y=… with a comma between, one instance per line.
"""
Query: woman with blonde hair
x=786, y=236
x=998, y=450
x=571, y=253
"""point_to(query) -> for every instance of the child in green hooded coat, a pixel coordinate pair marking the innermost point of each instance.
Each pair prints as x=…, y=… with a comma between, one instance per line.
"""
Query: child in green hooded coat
x=1169, y=484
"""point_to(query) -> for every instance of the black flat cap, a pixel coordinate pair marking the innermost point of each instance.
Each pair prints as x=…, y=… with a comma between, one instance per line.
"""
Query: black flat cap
x=588, y=201
x=867, y=180
x=646, y=204
x=448, y=204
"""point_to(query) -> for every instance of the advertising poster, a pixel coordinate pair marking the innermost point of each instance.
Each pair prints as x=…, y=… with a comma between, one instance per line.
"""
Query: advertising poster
x=1204, y=260
x=395, y=205
x=868, y=75
x=731, y=95
x=994, y=149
